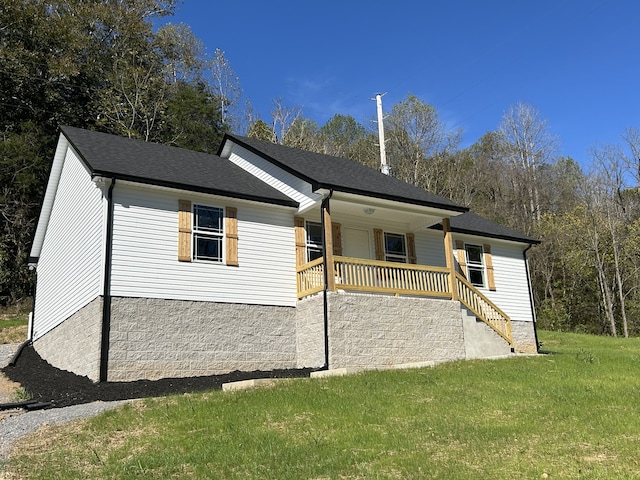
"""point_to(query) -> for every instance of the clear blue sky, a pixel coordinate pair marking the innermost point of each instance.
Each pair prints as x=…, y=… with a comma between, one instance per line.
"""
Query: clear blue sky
x=576, y=61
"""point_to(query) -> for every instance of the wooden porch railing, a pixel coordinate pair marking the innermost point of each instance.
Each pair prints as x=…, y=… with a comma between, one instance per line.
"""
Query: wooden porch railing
x=483, y=308
x=356, y=274
x=310, y=278
x=389, y=277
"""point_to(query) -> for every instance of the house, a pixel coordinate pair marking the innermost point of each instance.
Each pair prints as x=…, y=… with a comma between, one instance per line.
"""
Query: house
x=154, y=261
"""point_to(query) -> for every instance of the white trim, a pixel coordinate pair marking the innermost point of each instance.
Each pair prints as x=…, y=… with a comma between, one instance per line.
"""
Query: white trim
x=49, y=196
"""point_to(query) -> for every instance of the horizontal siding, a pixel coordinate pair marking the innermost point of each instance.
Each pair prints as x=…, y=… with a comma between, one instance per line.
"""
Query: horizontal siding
x=70, y=267
x=290, y=185
x=430, y=248
x=510, y=272
x=512, y=288
x=145, y=252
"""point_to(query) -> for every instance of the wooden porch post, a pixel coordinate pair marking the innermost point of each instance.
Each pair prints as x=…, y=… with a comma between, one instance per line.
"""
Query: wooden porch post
x=448, y=253
x=328, y=248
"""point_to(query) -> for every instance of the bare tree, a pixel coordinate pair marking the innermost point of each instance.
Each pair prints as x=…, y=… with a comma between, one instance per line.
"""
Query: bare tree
x=418, y=142
x=283, y=118
x=528, y=145
x=226, y=87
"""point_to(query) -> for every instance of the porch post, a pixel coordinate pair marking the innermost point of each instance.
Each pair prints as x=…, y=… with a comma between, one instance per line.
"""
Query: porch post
x=448, y=253
x=328, y=247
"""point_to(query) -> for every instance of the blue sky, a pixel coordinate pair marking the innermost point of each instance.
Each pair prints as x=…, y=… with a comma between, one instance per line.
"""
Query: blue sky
x=576, y=61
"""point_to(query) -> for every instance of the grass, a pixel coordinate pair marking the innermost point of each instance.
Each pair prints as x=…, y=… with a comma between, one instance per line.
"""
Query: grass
x=13, y=328
x=574, y=413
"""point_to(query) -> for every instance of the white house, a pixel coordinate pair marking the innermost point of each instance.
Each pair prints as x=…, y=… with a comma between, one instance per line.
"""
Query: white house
x=154, y=261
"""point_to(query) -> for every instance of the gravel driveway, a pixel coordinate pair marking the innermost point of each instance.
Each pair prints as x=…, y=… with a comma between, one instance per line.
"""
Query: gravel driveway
x=17, y=423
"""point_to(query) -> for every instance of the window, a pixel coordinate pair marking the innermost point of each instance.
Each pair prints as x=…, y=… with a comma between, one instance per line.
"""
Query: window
x=475, y=264
x=207, y=233
x=314, y=240
x=395, y=247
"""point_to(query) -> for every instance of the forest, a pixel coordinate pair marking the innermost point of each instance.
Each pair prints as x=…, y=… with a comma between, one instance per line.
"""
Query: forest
x=120, y=66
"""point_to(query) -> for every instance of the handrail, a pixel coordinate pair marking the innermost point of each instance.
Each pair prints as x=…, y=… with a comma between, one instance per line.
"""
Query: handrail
x=389, y=277
x=375, y=276
x=310, y=278
x=483, y=308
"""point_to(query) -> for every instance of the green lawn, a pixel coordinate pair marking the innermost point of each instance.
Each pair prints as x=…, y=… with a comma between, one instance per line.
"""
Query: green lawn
x=574, y=413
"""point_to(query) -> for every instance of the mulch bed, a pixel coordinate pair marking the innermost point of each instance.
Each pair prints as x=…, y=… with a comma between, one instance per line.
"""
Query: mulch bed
x=46, y=383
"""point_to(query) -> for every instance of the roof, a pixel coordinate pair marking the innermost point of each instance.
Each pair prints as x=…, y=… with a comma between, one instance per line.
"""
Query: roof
x=340, y=174
x=473, y=224
x=155, y=164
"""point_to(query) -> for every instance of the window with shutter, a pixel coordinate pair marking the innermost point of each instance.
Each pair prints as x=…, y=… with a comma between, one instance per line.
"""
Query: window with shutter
x=203, y=231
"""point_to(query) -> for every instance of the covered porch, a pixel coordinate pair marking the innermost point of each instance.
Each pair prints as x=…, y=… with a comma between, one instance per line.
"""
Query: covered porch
x=334, y=272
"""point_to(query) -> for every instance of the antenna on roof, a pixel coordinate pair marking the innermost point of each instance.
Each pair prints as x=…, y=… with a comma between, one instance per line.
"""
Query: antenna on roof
x=384, y=166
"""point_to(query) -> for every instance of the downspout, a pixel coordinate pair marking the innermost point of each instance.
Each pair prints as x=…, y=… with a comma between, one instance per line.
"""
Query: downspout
x=33, y=304
x=325, y=296
x=106, y=294
x=533, y=309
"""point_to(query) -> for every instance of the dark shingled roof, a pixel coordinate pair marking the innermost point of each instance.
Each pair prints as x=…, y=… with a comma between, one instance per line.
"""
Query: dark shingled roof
x=340, y=174
x=474, y=224
x=155, y=164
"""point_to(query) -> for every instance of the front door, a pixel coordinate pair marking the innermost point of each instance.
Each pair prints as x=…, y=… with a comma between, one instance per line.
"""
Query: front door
x=356, y=243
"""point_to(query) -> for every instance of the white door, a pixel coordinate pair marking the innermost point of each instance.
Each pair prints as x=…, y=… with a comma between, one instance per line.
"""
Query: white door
x=356, y=243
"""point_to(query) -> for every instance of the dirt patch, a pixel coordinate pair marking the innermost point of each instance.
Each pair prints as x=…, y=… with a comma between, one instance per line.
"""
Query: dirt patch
x=45, y=383
x=16, y=334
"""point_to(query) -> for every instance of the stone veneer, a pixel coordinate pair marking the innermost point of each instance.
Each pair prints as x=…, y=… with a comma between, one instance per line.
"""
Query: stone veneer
x=524, y=337
x=310, y=331
x=369, y=331
x=154, y=338
x=74, y=345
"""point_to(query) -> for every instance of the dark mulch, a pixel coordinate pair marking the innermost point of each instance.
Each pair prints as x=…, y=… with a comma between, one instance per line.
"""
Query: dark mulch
x=46, y=383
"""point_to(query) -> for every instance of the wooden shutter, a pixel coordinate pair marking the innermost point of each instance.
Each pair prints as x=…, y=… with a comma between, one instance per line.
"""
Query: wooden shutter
x=462, y=257
x=411, y=248
x=301, y=240
x=336, y=233
x=184, y=230
x=378, y=241
x=231, y=235
x=488, y=263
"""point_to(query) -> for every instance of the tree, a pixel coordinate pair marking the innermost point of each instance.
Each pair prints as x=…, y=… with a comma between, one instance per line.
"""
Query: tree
x=417, y=141
x=226, y=86
x=528, y=145
x=92, y=64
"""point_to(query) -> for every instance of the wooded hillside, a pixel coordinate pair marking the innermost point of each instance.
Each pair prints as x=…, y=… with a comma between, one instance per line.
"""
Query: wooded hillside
x=105, y=65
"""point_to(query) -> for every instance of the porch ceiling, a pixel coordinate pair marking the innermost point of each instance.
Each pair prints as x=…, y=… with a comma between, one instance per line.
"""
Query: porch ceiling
x=375, y=210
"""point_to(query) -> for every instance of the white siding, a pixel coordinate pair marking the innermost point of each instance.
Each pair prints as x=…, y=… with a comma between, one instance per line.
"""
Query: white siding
x=430, y=248
x=70, y=268
x=510, y=272
x=145, y=252
x=290, y=185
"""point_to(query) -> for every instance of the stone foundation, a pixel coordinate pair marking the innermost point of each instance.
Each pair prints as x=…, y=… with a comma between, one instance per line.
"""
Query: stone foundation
x=74, y=345
x=153, y=338
x=524, y=337
x=370, y=331
x=310, y=332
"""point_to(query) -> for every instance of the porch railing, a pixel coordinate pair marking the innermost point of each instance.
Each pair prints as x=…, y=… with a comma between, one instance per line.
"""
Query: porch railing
x=389, y=277
x=483, y=308
x=373, y=276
